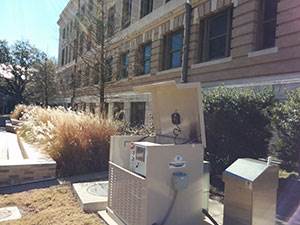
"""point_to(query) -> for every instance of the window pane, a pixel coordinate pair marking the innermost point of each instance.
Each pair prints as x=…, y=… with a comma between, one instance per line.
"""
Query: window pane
x=118, y=110
x=218, y=25
x=176, y=59
x=270, y=9
x=217, y=48
x=147, y=51
x=147, y=66
x=269, y=34
x=176, y=41
x=137, y=115
x=124, y=65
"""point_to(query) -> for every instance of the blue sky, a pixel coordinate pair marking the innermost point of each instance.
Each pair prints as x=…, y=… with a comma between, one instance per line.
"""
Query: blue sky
x=33, y=20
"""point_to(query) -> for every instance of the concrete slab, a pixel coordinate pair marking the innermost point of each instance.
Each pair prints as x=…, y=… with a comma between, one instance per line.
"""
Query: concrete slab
x=9, y=213
x=92, y=195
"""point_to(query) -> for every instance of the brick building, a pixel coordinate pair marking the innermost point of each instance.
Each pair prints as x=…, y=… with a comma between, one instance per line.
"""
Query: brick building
x=218, y=42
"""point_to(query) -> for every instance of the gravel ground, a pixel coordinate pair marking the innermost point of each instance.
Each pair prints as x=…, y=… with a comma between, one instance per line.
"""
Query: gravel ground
x=50, y=206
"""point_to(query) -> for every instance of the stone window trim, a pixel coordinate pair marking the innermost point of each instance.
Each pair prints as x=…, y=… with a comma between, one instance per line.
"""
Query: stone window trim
x=142, y=76
x=174, y=70
x=212, y=62
x=266, y=51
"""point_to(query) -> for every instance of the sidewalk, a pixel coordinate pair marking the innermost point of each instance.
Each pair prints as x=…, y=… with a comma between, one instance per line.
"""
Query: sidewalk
x=9, y=147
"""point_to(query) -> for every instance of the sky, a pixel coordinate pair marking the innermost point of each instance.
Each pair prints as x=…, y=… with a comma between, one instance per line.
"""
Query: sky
x=33, y=20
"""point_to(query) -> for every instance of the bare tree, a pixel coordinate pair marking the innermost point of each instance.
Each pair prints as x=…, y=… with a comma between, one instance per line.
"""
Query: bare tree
x=43, y=85
x=93, y=29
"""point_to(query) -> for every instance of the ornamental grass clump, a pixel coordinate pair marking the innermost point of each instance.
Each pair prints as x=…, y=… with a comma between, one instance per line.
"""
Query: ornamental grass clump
x=19, y=111
x=78, y=142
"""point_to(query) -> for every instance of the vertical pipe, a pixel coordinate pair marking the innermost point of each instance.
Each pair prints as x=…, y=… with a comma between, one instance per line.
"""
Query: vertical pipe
x=186, y=45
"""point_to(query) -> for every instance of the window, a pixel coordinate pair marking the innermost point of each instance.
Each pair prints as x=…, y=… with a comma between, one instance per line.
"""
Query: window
x=81, y=41
x=124, y=66
x=95, y=77
x=83, y=10
x=71, y=27
x=78, y=80
x=67, y=55
x=63, y=57
x=108, y=69
x=118, y=110
x=126, y=13
x=70, y=54
x=75, y=48
x=91, y=5
x=216, y=31
x=64, y=33
x=87, y=76
x=146, y=7
x=173, y=50
x=111, y=21
x=92, y=107
x=267, y=25
x=146, y=58
x=137, y=114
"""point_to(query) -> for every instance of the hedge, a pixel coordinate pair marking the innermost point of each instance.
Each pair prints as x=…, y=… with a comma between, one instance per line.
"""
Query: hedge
x=286, y=122
x=238, y=125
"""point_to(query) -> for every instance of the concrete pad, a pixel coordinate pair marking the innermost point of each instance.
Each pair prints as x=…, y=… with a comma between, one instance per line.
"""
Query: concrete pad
x=216, y=210
x=92, y=195
x=107, y=219
x=9, y=213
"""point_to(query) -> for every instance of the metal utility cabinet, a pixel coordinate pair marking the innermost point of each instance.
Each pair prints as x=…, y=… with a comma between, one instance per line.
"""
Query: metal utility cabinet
x=250, y=193
x=159, y=180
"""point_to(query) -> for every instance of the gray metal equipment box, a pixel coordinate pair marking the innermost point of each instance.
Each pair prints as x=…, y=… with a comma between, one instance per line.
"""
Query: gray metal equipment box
x=250, y=193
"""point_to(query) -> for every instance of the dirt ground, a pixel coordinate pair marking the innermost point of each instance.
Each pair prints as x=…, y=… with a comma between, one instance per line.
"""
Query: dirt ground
x=51, y=206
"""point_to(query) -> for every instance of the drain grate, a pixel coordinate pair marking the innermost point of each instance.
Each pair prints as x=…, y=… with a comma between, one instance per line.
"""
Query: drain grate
x=5, y=213
x=9, y=213
x=98, y=189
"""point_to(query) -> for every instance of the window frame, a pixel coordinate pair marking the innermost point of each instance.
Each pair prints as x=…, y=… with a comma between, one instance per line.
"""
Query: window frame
x=168, y=52
x=123, y=73
x=144, y=59
x=133, y=119
x=146, y=7
x=205, y=39
x=126, y=14
x=111, y=21
x=260, y=45
x=108, y=69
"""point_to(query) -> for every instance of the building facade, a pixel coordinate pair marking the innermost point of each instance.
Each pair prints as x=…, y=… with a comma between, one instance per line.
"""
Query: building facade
x=217, y=42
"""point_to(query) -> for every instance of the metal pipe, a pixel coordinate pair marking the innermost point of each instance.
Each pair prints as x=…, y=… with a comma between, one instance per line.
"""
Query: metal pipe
x=186, y=45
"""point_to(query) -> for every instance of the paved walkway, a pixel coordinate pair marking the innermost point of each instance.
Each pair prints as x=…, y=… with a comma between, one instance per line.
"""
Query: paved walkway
x=9, y=147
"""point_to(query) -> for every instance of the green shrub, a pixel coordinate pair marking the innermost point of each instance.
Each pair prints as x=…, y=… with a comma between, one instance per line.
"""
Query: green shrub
x=237, y=125
x=286, y=121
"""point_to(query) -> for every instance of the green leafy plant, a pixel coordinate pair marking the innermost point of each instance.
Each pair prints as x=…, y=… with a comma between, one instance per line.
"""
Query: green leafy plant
x=286, y=121
x=237, y=125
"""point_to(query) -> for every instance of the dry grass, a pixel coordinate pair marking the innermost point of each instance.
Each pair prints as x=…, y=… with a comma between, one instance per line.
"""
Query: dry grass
x=78, y=142
x=51, y=206
x=19, y=111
